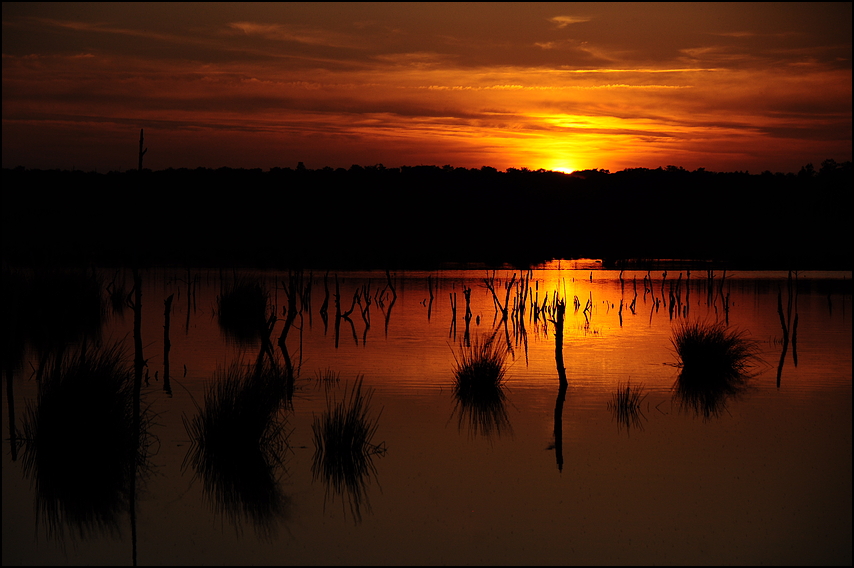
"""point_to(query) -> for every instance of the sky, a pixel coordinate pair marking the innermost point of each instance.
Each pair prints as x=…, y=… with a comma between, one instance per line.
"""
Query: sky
x=561, y=86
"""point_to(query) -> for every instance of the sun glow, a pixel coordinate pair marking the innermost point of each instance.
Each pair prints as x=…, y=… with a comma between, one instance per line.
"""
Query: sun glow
x=562, y=167
x=560, y=160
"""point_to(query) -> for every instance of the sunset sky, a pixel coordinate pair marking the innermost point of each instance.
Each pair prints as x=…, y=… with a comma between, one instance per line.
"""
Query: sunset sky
x=566, y=86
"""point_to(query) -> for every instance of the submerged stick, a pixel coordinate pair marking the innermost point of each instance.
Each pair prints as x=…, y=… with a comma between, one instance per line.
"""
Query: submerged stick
x=558, y=426
x=10, y=399
x=453, y=298
x=167, y=344
x=138, y=360
x=558, y=321
x=430, y=289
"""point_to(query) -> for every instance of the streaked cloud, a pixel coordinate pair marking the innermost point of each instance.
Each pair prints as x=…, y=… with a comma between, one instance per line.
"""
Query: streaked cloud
x=299, y=34
x=563, y=21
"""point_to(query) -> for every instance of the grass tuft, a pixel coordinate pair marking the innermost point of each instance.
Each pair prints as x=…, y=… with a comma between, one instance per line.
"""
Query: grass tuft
x=83, y=444
x=715, y=363
x=328, y=378
x=344, y=448
x=625, y=405
x=713, y=351
x=239, y=442
x=480, y=366
x=480, y=369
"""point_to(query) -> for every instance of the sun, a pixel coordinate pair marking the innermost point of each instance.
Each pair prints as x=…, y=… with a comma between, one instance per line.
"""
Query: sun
x=562, y=167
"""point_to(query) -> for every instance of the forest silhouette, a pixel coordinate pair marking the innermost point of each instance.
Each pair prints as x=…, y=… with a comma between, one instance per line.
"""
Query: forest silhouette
x=427, y=217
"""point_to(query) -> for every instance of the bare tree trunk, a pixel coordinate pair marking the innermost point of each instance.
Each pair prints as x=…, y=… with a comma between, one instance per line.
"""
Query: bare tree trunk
x=141, y=151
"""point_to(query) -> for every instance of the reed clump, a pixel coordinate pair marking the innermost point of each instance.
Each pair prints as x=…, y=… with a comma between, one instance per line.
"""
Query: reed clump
x=480, y=370
x=713, y=352
x=625, y=405
x=715, y=363
x=241, y=409
x=344, y=447
x=84, y=444
x=328, y=378
x=239, y=441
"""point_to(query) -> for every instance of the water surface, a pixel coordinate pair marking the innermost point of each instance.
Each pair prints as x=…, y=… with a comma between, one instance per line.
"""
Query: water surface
x=545, y=476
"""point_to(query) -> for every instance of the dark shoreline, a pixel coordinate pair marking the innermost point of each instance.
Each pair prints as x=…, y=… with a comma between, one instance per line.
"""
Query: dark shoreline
x=426, y=217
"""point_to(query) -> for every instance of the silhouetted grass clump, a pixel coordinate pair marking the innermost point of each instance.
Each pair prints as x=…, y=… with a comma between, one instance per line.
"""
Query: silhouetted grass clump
x=239, y=442
x=344, y=447
x=715, y=363
x=83, y=444
x=480, y=367
x=328, y=378
x=479, y=374
x=713, y=352
x=625, y=405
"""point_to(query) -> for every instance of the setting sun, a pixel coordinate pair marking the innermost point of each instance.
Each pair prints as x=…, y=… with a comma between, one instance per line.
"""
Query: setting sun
x=562, y=166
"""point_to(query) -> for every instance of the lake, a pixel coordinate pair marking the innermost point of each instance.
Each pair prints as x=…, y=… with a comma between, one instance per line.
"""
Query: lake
x=753, y=470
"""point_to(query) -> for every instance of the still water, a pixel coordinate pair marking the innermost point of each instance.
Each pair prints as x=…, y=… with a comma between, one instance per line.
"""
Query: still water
x=759, y=474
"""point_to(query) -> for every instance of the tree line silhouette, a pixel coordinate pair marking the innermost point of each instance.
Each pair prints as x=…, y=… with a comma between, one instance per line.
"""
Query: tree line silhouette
x=424, y=216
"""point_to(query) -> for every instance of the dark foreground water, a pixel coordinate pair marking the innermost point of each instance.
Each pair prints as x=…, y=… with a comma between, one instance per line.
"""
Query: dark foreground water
x=752, y=472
